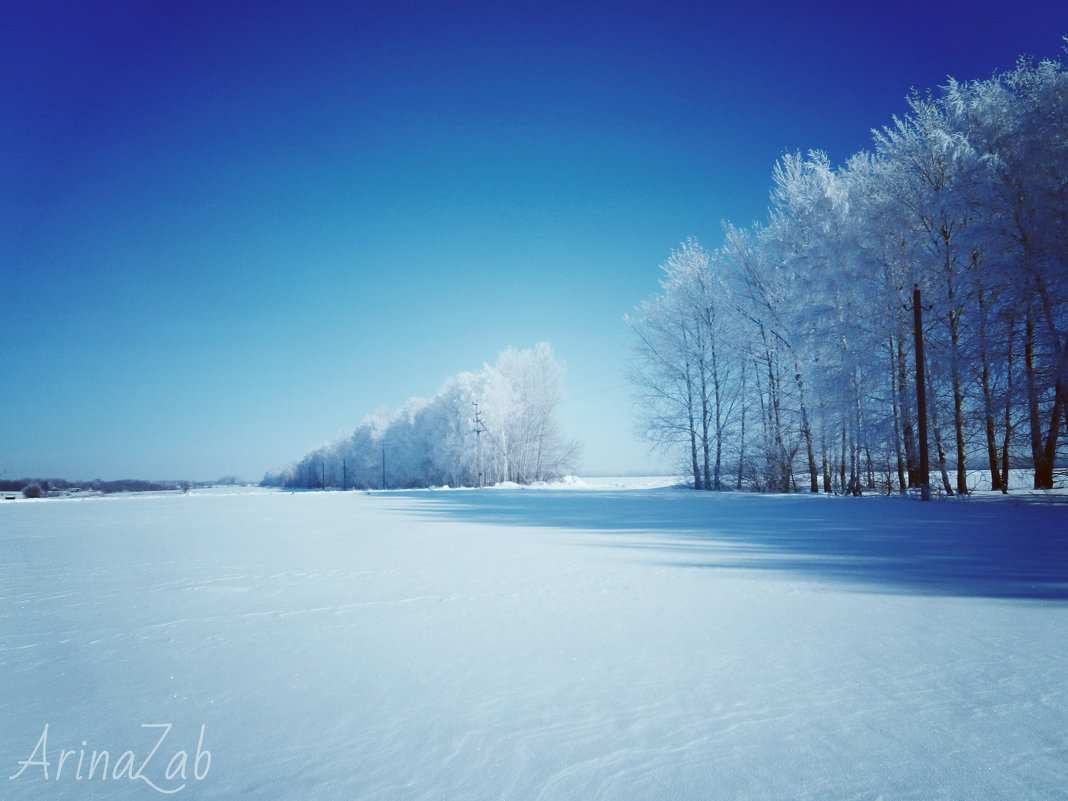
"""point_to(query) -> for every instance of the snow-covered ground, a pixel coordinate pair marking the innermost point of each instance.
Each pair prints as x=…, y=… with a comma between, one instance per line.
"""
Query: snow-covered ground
x=617, y=640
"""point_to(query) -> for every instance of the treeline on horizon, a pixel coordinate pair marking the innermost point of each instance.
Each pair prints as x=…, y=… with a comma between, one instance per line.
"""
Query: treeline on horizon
x=63, y=486
x=785, y=358
x=96, y=485
x=485, y=427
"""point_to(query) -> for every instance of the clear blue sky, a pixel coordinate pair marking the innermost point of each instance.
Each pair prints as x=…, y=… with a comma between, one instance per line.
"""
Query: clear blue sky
x=228, y=231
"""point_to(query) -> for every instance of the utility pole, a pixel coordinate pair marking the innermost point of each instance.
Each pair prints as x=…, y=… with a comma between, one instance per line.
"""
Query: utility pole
x=383, y=465
x=921, y=394
x=478, y=441
x=344, y=475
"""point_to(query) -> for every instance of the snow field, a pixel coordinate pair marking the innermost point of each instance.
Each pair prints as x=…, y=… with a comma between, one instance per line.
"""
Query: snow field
x=599, y=643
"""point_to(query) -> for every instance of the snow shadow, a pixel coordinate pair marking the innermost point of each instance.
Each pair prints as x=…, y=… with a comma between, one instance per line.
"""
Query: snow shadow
x=989, y=548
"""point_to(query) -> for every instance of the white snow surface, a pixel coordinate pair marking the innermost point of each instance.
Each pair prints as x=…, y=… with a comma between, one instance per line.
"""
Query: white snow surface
x=616, y=639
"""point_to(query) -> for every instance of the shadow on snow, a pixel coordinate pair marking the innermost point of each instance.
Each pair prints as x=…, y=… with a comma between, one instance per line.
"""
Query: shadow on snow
x=1003, y=548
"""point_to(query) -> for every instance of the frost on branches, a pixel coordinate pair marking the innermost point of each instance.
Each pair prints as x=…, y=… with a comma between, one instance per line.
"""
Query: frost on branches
x=784, y=359
x=433, y=442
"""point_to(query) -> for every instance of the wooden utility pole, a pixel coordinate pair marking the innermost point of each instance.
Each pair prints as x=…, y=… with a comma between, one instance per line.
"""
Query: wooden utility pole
x=477, y=439
x=921, y=395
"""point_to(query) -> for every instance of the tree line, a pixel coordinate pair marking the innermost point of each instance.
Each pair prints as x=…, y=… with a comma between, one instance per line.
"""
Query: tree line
x=494, y=425
x=784, y=358
x=46, y=486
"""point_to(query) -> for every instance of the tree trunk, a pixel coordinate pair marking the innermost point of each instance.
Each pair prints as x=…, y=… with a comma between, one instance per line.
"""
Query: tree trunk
x=716, y=484
x=842, y=466
x=782, y=470
x=941, y=452
x=826, y=464
x=717, y=388
x=958, y=426
x=1043, y=448
x=1008, y=411
x=1032, y=406
x=1044, y=467
x=908, y=435
x=813, y=477
x=858, y=425
x=895, y=406
x=988, y=398
x=705, y=483
x=992, y=452
x=936, y=430
x=741, y=447
x=854, y=468
x=988, y=422
x=693, y=434
x=958, y=402
x=1005, y=452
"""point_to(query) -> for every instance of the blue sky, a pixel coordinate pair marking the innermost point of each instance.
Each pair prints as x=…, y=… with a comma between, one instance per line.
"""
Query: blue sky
x=229, y=231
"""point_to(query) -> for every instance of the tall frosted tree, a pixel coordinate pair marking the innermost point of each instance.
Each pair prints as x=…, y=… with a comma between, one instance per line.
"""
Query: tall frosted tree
x=1018, y=121
x=684, y=371
x=965, y=197
x=520, y=399
x=433, y=442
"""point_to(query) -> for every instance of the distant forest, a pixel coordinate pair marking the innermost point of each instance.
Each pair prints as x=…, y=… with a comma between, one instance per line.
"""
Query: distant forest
x=64, y=485
x=485, y=427
x=786, y=358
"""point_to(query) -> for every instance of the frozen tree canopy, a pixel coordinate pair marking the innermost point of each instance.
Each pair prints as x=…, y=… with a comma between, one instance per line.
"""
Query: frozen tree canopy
x=786, y=356
x=434, y=442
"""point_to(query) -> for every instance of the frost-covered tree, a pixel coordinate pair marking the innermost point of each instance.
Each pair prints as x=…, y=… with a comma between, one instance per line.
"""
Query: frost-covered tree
x=520, y=398
x=966, y=198
x=812, y=239
x=433, y=442
x=1019, y=123
x=939, y=164
x=684, y=369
